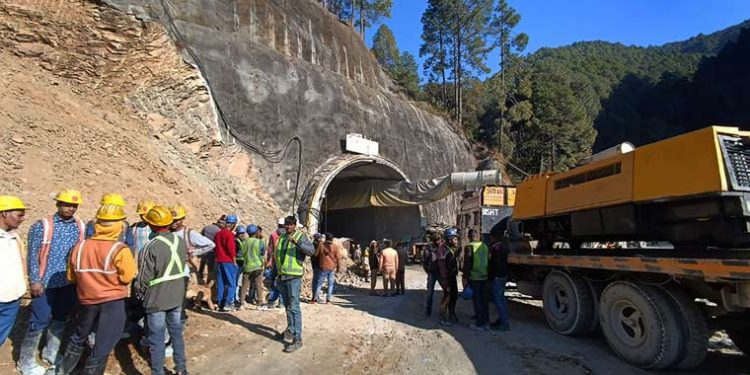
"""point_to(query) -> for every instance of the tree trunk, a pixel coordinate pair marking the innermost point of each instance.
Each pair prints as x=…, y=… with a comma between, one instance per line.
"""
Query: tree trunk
x=362, y=18
x=442, y=70
x=351, y=15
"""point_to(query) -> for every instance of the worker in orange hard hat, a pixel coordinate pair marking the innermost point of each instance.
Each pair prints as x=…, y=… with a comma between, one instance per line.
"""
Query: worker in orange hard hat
x=126, y=235
x=12, y=271
x=161, y=286
x=50, y=242
x=101, y=267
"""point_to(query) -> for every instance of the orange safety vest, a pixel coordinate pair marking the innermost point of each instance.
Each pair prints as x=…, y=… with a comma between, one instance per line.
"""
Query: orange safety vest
x=96, y=276
x=48, y=228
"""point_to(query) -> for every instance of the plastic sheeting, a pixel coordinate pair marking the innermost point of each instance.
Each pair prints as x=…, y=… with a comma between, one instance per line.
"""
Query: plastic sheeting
x=381, y=193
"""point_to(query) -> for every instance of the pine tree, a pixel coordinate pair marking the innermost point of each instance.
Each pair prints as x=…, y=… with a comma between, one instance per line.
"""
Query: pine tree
x=407, y=76
x=435, y=46
x=371, y=12
x=385, y=49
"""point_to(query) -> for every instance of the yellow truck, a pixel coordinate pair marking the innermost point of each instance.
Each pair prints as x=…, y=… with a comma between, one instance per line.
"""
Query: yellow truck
x=583, y=242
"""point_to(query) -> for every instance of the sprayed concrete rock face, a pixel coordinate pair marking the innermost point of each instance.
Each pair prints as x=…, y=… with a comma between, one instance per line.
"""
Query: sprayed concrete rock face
x=280, y=69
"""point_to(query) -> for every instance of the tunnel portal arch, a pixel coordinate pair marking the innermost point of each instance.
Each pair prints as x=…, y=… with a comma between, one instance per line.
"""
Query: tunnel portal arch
x=401, y=224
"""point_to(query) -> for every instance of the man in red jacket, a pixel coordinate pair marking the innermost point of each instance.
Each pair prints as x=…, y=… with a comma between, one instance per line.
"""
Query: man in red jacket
x=226, y=265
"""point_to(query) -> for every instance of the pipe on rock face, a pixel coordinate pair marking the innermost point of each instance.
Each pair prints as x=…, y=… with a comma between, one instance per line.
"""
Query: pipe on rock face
x=463, y=181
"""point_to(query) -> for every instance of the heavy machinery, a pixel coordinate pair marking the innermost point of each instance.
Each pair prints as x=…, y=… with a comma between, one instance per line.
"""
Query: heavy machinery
x=656, y=306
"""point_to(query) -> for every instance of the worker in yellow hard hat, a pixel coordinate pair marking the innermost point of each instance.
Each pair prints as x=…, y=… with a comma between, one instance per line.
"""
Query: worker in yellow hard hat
x=140, y=232
x=161, y=286
x=114, y=199
x=50, y=242
x=197, y=244
x=12, y=275
x=101, y=267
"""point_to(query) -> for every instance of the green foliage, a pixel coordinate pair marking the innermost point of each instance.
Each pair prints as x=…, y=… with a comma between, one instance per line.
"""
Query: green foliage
x=406, y=74
x=385, y=49
x=371, y=12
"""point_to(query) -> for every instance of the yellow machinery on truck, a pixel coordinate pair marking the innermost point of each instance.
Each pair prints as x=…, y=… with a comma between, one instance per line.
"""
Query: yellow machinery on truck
x=655, y=306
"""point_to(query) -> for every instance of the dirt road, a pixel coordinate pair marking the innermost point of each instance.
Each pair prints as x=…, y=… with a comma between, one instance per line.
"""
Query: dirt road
x=363, y=334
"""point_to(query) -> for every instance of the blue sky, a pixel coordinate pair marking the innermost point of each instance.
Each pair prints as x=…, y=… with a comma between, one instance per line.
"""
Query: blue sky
x=552, y=23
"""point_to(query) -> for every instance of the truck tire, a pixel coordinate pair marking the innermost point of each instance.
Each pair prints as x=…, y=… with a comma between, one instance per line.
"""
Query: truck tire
x=693, y=325
x=640, y=325
x=741, y=339
x=569, y=304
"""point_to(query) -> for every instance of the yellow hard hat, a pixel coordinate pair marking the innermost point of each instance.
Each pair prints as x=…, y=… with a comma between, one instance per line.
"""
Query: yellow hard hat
x=144, y=206
x=69, y=196
x=178, y=211
x=110, y=212
x=113, y=198
x=159, y=216
x=10, y=203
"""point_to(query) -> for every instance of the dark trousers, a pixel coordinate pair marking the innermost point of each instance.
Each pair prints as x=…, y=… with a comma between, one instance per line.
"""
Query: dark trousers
x=106, y=319
x=481, y=299
x=400, y=281
x=449, y=298
x=431, y=280
x=54, y=304
x=207, y=266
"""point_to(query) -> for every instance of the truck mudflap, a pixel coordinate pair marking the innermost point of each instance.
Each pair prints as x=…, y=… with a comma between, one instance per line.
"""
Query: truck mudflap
x=709, y=269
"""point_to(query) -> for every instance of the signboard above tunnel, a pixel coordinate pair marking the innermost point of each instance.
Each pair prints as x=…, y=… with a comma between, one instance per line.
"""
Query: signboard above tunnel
x=358, y=144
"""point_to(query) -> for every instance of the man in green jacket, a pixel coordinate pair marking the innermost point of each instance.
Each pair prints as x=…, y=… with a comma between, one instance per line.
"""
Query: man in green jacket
x=161, y=286
x=252, y=251
x=475, y=266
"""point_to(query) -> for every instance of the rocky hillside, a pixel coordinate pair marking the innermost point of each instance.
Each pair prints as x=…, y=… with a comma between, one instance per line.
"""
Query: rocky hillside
x=96, y=100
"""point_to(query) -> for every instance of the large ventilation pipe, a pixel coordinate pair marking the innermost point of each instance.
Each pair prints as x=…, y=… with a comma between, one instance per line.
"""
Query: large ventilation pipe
x=378, y=193
x=622, y=148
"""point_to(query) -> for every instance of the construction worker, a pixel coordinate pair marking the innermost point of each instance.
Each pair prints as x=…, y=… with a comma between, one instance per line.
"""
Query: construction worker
x=140, y=231
x=429, y=264
x=240, y=234
x=126, y=236
x=160, y=285
x=448, y=271
x=291, y=249
x=226, y=266
x=52, y=296
x=252, y=250
x=12, y=268
x=475, y=266
x=208, y=260
x=318, y=241
x=329, y=256
x=374, y=255
x=101, y=267
x=388, y=262
x=197, y=244
x=497, y=274
x=272, y=239
x=401, y=270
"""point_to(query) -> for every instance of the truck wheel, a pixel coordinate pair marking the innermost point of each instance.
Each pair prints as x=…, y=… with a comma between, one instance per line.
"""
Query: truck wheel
x=693, y=325
x=640, y=325
x=741, y=339
x=569, y=304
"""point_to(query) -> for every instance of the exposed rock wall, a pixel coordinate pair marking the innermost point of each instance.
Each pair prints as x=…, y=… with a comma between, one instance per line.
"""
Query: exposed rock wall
x=284, y=68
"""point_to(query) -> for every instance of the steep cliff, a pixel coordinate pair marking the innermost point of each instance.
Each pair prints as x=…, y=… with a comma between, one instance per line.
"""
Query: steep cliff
x=280, y=69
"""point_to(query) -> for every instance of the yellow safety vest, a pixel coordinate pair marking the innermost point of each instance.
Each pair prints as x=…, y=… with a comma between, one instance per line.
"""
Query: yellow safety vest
x=287, y=263
x=251, y=254
x=480, y=258
x=174, y=262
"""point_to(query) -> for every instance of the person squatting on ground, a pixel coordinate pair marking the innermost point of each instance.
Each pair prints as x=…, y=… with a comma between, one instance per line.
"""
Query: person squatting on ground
x=374, y=255
x=448, y=271
x=429, y=264
x=290, y=252
x=388, y=262
x=53, y=297
x=329, y=257
x=101, y=267
x=160, y=284
x=12, y=267
x=474, y=270
x=252, y=250
x=226, y=266
x=497, y=273
x=401, y=271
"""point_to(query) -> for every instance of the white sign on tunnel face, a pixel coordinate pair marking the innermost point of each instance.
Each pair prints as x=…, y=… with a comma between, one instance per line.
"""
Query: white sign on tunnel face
x=358, y=144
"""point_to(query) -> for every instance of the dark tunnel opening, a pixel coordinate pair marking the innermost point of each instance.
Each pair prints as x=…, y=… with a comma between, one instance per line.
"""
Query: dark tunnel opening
x=363, y=224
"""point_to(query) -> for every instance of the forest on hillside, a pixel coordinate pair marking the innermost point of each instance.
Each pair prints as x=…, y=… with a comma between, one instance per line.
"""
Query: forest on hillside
x=548, y=110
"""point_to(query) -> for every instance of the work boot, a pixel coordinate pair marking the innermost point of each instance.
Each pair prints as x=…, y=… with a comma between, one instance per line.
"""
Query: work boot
x=52, y=347
x=294, y=346
x=27, y=359
x=95, y=366
x=286, y=335
x=69, y=361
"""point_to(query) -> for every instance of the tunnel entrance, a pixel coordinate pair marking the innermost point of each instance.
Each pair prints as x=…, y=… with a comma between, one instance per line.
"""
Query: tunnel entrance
x=360, y=222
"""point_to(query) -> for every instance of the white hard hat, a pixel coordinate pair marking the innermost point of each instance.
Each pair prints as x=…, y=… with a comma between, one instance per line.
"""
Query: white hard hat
x=281, y=221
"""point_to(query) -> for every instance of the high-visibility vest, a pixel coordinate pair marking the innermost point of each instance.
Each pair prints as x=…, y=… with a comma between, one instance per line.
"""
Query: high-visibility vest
x=287, y=262
x=97, y=278
x=174, y=262
x=251, y=253
x=48, y=229
x=480, y=256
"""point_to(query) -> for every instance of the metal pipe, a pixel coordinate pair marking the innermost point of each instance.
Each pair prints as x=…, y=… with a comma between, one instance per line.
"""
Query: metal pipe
x=464, y=181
